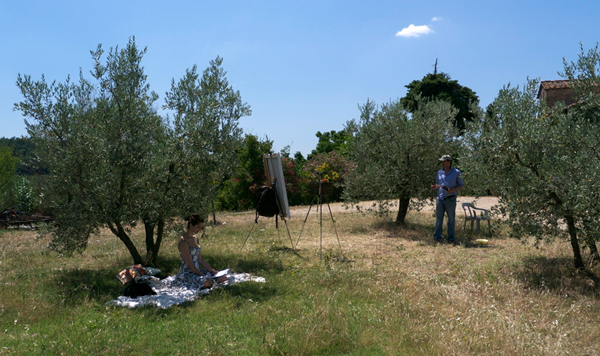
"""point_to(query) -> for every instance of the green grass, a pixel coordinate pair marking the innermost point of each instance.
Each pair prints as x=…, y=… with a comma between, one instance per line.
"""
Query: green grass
x=389, y=292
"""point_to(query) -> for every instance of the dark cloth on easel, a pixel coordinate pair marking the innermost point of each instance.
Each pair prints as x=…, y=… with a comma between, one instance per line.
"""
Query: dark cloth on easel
x=266, y=202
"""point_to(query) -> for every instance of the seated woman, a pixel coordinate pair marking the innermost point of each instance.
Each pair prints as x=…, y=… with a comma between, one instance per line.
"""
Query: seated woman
x=194, y=270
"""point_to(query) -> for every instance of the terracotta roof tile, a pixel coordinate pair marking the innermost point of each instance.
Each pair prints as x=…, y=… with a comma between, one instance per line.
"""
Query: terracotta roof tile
x=555, y=84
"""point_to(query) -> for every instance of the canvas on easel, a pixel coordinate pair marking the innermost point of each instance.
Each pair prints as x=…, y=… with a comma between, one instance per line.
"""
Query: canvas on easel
x=274, y=169
x=273, y=193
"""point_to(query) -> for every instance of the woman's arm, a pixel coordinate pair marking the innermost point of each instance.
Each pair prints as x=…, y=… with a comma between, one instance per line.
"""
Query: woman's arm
x=187, y=257
x=205, y=264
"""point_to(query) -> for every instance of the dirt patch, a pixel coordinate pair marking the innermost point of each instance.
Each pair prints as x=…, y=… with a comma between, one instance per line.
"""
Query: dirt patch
x=302, y=210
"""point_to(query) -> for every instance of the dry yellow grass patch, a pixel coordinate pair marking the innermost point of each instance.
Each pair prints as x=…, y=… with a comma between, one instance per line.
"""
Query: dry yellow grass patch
x=505, y=298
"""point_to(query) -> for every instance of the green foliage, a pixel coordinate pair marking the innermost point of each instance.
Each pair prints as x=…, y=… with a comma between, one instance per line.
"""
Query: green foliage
x=396, y=154
x=207, y=111
x=296, y=182
x=22, y=146
x=237, y=192
x=96, y=141
x=113, y=160
x=440, y=86
x=299, y=158
x=584, y=75
x=542, y=161
x=338, y=141
x=332, y=167
x=23, y=149
x=25, y=195
x=8, y=169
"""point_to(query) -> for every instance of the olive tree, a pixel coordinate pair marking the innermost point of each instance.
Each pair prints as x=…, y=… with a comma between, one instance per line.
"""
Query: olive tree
x=396, y=153
x=206, y=136
x=113, y=161
x=544, y=162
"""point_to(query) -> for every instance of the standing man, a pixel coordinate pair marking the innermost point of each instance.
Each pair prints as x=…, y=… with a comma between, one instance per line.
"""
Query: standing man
x=447, y=183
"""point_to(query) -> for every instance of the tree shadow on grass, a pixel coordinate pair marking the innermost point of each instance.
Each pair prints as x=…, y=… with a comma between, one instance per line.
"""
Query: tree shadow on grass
x=167, y=265
x=74, y=287
x=558, y=275
x=409, y=231
x=423, y=233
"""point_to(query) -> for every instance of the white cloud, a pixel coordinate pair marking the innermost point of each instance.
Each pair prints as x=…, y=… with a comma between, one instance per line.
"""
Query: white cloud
x=436, y=18
x=414, y=31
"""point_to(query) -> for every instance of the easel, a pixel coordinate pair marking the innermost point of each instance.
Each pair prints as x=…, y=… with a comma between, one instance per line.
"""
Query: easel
x=320, y=193
x=273, y=168
x=281, y=212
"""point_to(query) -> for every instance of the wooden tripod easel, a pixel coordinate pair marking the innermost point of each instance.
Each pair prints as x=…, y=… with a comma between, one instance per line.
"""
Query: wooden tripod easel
x=320, y=194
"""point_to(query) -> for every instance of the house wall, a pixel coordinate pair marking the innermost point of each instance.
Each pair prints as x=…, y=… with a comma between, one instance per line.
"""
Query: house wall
x=553, y=96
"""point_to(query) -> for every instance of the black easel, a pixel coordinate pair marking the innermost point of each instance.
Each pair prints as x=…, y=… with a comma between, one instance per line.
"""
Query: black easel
x=319, y=196
x=274, y=187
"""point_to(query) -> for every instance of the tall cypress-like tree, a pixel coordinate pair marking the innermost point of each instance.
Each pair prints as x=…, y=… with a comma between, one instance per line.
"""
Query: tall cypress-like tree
x=439, y=86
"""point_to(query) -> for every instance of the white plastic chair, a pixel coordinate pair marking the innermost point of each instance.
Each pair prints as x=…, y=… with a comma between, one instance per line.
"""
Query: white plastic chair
x=471, y=215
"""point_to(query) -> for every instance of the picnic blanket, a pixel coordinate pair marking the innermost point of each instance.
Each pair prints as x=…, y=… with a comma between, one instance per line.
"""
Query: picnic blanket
x=168, y=295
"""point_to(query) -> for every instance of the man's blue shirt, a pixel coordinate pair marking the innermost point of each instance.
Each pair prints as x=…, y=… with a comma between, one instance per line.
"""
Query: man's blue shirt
x=451, y=180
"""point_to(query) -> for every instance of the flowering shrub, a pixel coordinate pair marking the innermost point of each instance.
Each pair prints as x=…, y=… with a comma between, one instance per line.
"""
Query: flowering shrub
x=296, y=183
x=329, y=167
x=332, y=167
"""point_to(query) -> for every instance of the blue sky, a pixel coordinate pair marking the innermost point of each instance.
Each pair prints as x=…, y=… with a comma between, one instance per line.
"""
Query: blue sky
x=303, y=66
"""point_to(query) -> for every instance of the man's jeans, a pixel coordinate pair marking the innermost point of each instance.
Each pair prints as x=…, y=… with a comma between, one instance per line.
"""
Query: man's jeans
x=447, y=206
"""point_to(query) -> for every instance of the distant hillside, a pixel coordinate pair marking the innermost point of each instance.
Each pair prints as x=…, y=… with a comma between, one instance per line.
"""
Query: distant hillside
x=23, y=149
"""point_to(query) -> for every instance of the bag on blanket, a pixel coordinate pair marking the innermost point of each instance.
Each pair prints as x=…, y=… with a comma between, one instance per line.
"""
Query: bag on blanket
x=129, y=274
x=135, y=290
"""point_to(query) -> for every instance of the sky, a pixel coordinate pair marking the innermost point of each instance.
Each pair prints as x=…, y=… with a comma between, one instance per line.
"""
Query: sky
x=302, y=66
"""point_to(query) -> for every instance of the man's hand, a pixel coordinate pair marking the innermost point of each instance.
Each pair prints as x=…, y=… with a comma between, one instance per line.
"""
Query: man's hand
x=435, y=187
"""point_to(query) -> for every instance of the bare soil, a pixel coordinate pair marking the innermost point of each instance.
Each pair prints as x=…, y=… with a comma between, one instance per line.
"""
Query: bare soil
x=483, y=202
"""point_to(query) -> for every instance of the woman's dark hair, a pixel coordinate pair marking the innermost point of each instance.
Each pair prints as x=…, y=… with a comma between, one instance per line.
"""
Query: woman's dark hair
x=195, y=219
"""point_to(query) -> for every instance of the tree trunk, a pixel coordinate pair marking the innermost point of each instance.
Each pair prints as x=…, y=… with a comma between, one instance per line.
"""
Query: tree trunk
x=122, y=235
x=149, y=228
x=595, y=256
x=212, y=203
x=403, y=203
x=590, y=242
x=160, y=228
x=572, y=233
x=574, y=243
x=119, y=231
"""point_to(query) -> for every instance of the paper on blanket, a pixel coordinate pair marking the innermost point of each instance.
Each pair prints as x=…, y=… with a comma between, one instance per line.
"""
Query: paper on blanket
x=221, y=273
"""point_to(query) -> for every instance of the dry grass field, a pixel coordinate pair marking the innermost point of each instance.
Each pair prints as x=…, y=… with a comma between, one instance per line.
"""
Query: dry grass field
x=378, y=290
x=509, y=297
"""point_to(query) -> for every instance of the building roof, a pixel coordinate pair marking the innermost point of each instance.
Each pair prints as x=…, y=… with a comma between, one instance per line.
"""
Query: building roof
x=552, y=84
